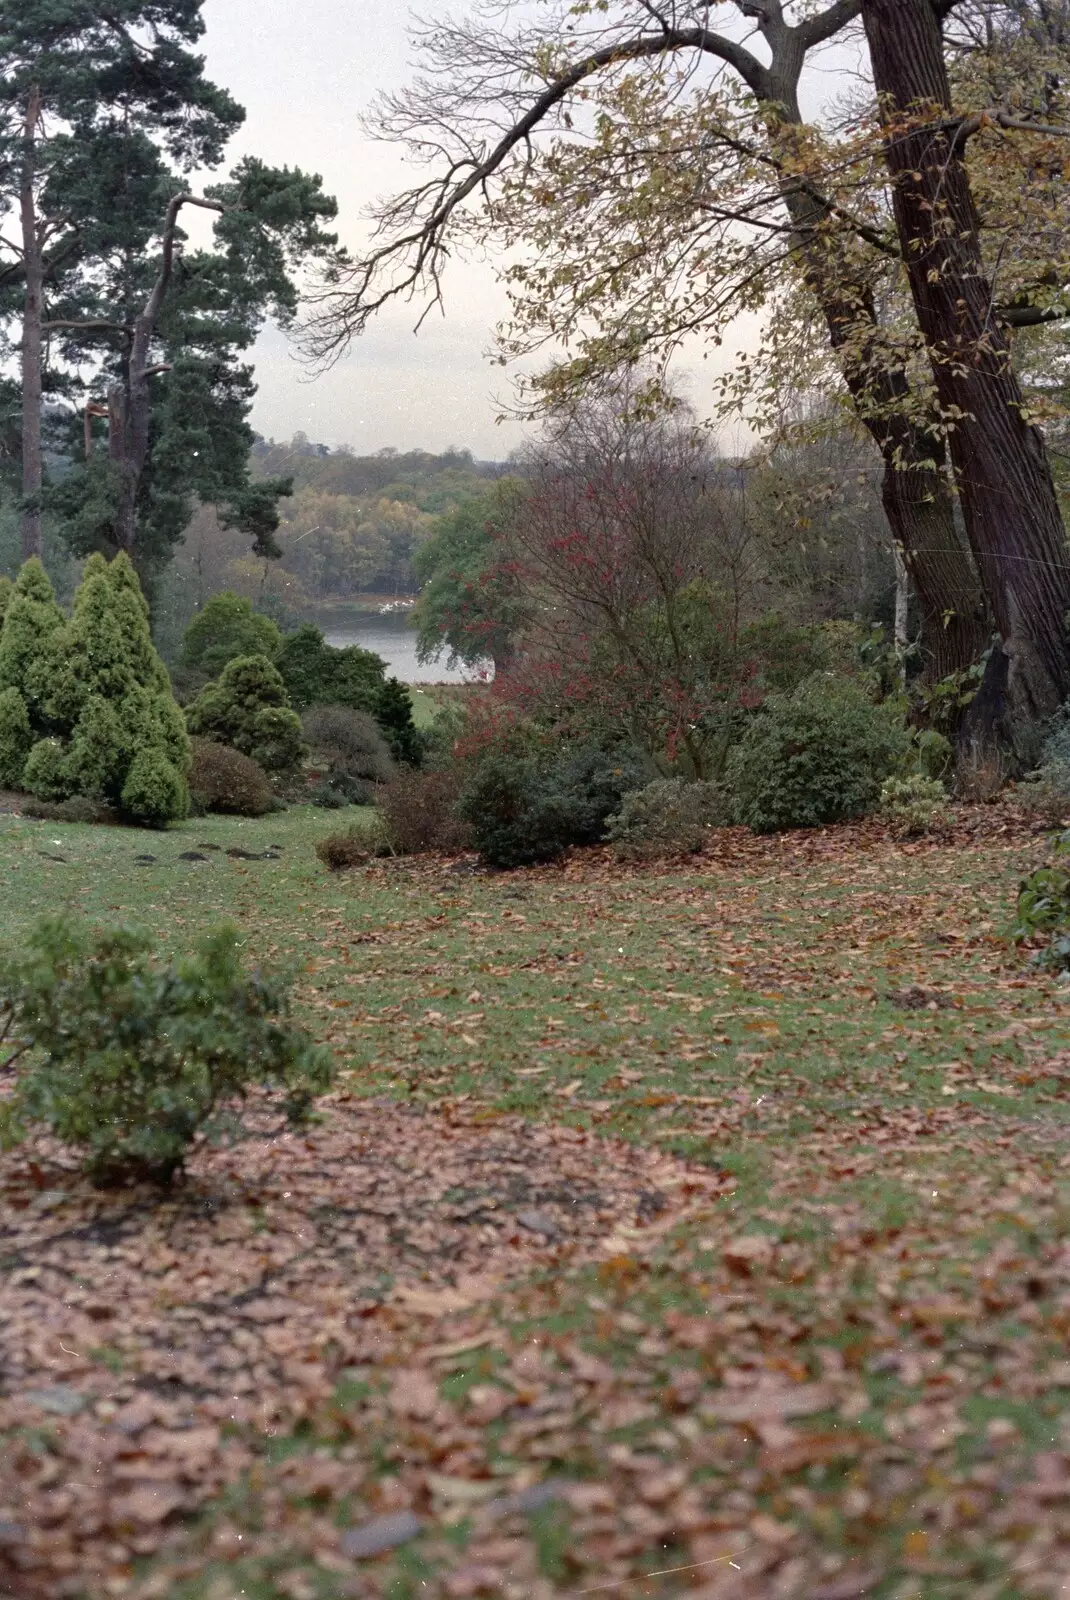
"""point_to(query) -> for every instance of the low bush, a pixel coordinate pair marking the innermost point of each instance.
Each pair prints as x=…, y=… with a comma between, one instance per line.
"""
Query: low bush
x=334, y=794
x=131, y=1058
x=349, y=742
x=817, y=756
x=913, y=805
x=528, y=808
x=350, y=848
x=669, y=817
x=247, y=707
x=222, y=779
x=1044, y=906
x=1046, y=792
x=79, y=808
x=419, y=809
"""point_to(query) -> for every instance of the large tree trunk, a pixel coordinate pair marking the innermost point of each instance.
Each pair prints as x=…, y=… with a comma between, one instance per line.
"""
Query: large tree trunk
x=999, y=458
x=32, y=353
x=915, y=490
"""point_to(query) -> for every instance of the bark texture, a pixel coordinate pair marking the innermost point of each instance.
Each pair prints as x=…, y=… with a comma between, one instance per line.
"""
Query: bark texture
x=999, y=459
x=916, y=492
x=32, y=352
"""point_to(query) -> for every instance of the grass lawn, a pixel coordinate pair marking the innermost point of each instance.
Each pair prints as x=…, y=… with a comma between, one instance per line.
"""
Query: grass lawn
x=693, y=1230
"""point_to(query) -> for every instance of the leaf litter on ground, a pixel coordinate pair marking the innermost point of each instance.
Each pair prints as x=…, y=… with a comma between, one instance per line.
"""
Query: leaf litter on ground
x=804, y=1336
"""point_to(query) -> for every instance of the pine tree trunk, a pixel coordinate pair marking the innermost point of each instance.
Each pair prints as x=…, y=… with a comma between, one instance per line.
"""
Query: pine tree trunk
x=999, y=458
x=32, y=353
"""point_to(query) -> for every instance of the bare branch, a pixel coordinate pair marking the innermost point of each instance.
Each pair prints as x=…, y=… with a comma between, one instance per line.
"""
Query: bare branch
x=349, y=310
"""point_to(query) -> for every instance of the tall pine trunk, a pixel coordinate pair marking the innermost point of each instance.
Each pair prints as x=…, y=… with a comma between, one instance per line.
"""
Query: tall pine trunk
x=32, y=352
x=999, y=458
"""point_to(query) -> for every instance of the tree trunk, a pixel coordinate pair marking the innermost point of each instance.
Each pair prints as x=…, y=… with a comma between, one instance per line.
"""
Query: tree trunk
x=915, y=491
x=901, y=626
x=999, y=458
x=32, y=338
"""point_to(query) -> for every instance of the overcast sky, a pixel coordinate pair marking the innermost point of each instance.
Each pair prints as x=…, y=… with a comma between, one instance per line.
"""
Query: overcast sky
x=304, y=70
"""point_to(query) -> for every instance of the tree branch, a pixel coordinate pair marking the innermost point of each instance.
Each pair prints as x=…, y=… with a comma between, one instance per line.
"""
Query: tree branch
x=96, y=326
x=163, y=278
x=821, y=28
x=426, y=241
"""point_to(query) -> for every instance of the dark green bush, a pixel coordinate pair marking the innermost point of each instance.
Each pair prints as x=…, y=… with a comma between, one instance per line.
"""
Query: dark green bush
x=226, y=628
x=222, y=779
x=16, y=738
x=527, y=808
x=1044, y=906
x=317, y=674
x=247, y=707
x=817, y=756
x=349, y=742
x=130, y=1058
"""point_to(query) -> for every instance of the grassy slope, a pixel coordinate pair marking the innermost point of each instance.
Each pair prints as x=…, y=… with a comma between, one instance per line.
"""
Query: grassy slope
x=835, y=1021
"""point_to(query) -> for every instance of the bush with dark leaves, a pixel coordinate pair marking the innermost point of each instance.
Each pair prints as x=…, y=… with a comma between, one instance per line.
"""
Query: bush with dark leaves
x=816, y=756
x=525, y=808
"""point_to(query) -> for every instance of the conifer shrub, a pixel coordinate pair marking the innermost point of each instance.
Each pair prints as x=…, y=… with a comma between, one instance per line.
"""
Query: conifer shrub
x=96, y=695
x=248, y=708
x=227, y=627
x=132, y=1057
x=222, y=779
x=31, y=620
x=7, y=589
x=16, y=738
x=817, y=756
x=668, y=817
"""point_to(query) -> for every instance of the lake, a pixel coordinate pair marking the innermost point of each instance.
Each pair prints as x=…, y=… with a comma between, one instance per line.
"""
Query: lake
x=393, y=638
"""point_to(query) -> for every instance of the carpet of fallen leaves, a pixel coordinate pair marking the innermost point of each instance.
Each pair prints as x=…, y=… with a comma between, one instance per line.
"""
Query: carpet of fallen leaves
x=802, y=1334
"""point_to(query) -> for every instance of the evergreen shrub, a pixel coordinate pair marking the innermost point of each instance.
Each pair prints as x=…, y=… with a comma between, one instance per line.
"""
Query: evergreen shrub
x=132, y=1057
x=103, y=722
x=248, y=708
x=525, y=808
x=817, y=756
x=317, y=674
x=227, y=627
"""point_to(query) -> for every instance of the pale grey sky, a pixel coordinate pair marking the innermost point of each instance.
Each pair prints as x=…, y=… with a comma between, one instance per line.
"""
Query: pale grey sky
x=304, y=70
